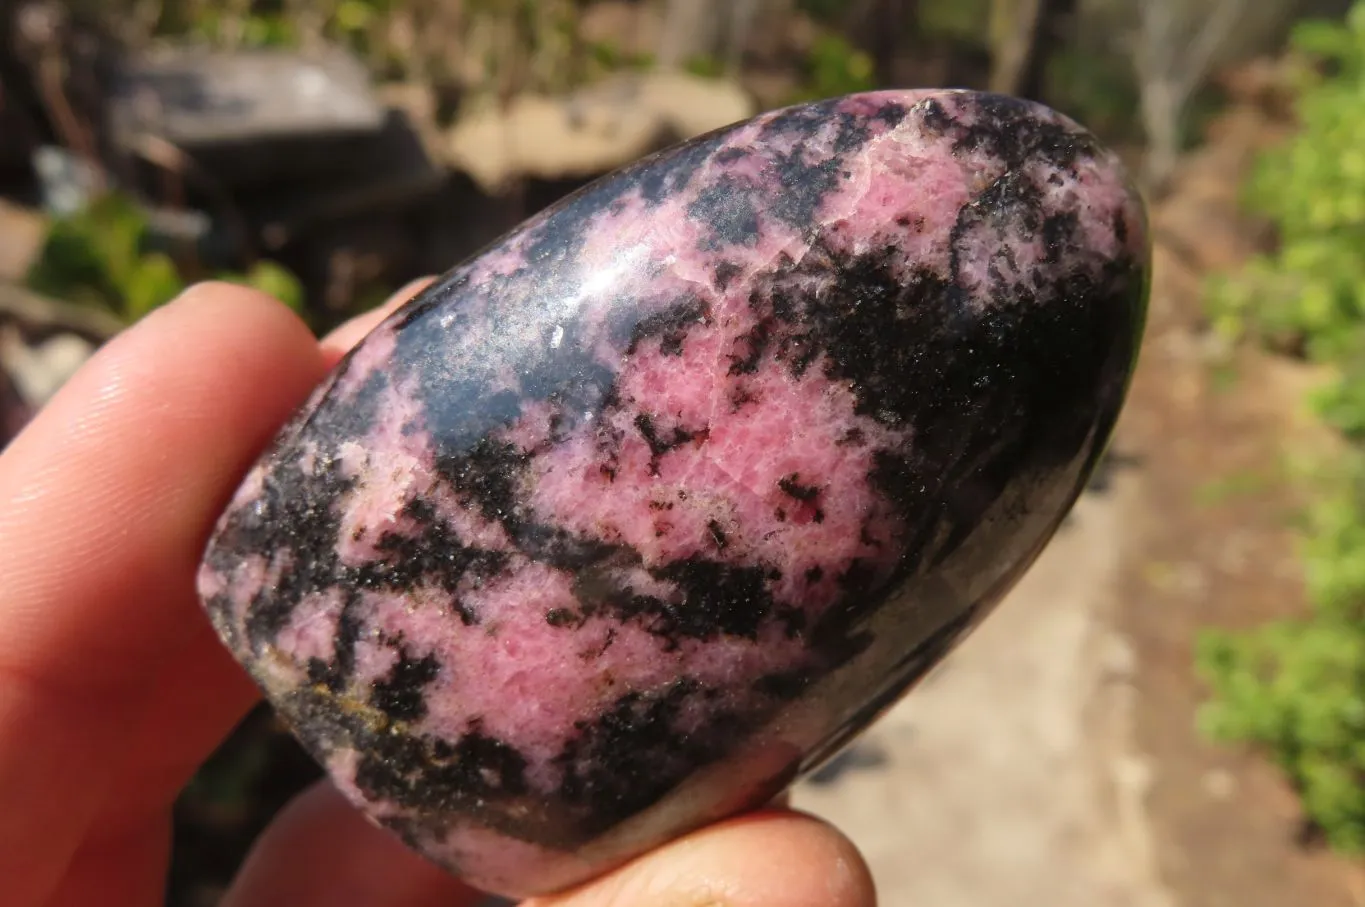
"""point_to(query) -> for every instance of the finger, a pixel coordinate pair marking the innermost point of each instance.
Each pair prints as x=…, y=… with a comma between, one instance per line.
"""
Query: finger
x=106, y=500
x=120, y=863
x=351, y=332
x=320, y=852
x=765, y=859
x=200, y=693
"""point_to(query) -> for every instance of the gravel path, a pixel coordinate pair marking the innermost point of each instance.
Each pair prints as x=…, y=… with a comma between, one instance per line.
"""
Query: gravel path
x=1005, y=778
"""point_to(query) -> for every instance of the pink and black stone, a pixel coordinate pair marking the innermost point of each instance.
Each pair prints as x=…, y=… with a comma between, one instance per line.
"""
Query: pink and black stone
x=646, y=510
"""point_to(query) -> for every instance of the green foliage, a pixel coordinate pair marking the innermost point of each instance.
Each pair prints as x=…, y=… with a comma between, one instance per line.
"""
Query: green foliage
x=99, y=257
x=253, y=30
x=707, y=66
x=1233, y=485
x=96, y=258
x=1297, y=688
x=1312, y=288
x=607, y=57
x=270, y=23
x=835, y=67
x=963, y=20
x=1095, y=88
x=528, y=41
x=272, y=279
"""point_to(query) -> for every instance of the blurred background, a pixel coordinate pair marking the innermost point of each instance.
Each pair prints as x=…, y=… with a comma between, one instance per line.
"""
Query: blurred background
x=1169, y=710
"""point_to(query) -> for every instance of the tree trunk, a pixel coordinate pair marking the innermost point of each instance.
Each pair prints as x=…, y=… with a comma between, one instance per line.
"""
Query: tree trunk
x=691, y=29
x=1013, y=33
x=1174, y=54
x=880, y=27
x=743, y=14
x=1162, y=115
x=714, y=29
x=1055, y=28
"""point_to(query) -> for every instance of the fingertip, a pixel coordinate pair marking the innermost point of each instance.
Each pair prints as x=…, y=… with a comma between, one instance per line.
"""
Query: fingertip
x=224, y=303
x=216, y=343
x=106, y=499
x=109, y=493
x=773, y=858
x=823, y=866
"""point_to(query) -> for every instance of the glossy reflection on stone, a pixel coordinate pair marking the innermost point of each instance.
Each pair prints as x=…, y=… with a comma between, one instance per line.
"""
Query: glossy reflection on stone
x=630, y=520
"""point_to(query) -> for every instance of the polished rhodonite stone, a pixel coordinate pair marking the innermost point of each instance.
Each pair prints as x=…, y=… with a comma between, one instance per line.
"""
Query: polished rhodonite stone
x=644, y=511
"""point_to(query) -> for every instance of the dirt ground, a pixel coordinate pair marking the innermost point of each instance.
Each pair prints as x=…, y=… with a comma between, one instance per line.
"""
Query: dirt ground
x=1054, y=758
x=1227, y=828
x=983, y=788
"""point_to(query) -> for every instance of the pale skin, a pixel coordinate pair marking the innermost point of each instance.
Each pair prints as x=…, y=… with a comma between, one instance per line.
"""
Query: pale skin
x=113, y=687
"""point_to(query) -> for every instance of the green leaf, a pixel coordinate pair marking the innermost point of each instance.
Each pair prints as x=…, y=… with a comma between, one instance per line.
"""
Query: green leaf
x=274, y=280
x=152, y=282
x=1297, y=688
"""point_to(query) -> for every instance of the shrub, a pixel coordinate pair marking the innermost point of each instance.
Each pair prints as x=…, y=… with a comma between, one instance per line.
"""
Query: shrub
x=1297, y=688
x=834, y=67
x=99, y=257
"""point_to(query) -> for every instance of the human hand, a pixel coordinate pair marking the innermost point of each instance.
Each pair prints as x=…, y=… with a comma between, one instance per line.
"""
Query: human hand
x=113, y=687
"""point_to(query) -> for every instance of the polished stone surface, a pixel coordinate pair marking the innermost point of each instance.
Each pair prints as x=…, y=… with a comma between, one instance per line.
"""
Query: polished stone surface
x=638, y=515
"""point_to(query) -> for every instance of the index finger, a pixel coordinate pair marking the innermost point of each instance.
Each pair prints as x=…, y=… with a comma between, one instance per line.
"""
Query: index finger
x=106, y=500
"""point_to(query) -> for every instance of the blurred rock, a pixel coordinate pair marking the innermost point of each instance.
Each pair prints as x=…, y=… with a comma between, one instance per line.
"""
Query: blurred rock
x=591, y=131
x=68, y=182
x=196, y=98
x=690, y=105
x=239, y=113
x=22, y=231
x=42, y=344
x=38, y=370
x=395, y=173
x=289, y=155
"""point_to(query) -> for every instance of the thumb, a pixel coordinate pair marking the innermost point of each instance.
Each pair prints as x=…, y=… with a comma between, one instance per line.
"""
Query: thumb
x=774, y=858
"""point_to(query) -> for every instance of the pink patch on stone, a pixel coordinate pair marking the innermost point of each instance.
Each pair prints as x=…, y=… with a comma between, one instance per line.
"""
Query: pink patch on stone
x=311, y=630
x=722, y=493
